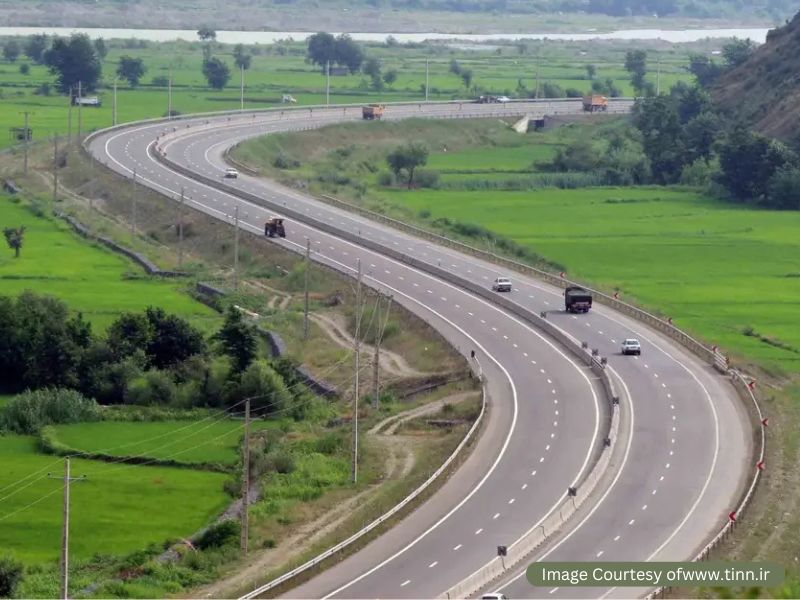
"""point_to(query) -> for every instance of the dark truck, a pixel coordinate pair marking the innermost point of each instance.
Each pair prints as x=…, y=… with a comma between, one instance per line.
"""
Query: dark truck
x=577, y=299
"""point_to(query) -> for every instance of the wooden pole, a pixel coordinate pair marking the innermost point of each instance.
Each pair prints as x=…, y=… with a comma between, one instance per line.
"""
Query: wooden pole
x=357, y=344
x=305, y=284
x=65, y=535
x=246, y=479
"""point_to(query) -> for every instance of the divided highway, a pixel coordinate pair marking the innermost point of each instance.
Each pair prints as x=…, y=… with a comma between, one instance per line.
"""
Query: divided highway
x=689, y=447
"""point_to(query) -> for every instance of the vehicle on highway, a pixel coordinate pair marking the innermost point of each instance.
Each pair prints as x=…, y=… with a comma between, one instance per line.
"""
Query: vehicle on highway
x=274, y=227
x=372, y=112
x=486, y=99
x=595, y=103
x=631, y=346
x=501, y=284
x=577, y=299
x=503, y=99
x=494, y=597
x=231, y=173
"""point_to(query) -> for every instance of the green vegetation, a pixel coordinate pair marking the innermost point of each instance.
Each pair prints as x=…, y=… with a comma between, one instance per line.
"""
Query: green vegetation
x=106, y=521
x=93, y=281
x=278, y=69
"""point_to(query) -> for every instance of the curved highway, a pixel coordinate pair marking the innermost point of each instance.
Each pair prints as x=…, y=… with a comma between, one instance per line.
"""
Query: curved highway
x=688, y=450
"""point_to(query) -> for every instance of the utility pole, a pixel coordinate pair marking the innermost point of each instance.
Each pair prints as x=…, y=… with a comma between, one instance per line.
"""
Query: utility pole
x=25, y=143
x=357, y=344
x=55, y=168
x=305, y=284
x=658, y=75
x=169, y=95
x=180, y=230
x=69, y=117
x=245, y=479
x=538, y=64
x=64, y=593
x=328, y=83
x=80, y=112
x=114, y=108
x=133, y=207
x=92, y=183
x=242, y=90
x=427, y=77
x=236, y=247
x=378, y=339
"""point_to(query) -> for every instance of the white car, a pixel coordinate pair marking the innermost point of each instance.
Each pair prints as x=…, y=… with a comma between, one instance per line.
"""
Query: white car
x=631, y=346
x=503, y=99
x=501, y=284
x=231, y=173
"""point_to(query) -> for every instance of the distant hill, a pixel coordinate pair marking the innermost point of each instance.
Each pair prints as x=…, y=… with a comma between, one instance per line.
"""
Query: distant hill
x=765, y=90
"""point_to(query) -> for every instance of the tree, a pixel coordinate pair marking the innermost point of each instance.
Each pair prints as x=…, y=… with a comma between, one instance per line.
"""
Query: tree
x=700, y=134
x=591, y=71
x=657, y=120
x=128, y=334
x=241, y=58
x=323, y=48
x=35, y=47
x=466, y=77
x=216, y=72
x=101, y=48
x=10, y=575
x=407, y=158
x=348, y=53
x=737, y=51
x=455, y=67
x=636, y=65
x=784, y=188
x=372, y=67
x=704, y=69
x=238, y=340
x=15, y=238
x=206, y=34
x=173, y=339
x=267, y=388
x=390, y=77
x=74, y=60
x=11, y=51
x=131, y=69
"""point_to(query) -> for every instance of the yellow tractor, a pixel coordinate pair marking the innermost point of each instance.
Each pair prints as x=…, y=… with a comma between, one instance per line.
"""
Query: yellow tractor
x=274, y=227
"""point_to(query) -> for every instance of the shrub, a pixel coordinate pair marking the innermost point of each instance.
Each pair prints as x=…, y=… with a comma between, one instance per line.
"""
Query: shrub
x=160, y=81
x=27, y=413
x=574, y=93
x=11, y=572
x=154, y=388
x=281, y=462
x=218, y=535
x=25, y=69
x=426, y=178
x=266, y=387
x=284, y=161
x=386, y=179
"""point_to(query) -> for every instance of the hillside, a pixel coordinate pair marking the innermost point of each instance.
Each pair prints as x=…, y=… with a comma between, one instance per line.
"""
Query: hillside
x=765, y=90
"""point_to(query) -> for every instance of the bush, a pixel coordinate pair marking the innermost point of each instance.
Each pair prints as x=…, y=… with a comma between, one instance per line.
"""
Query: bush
x=218, y=535
x=284, y=161
x=160, y=81
x=24, y=69
x=426, y=178
x=43, y=90
x=27, y=413
x=266, y=387
x=11, y=572
x=280, y=462
x=154, y=388
x=386, y=179
x=574, y=93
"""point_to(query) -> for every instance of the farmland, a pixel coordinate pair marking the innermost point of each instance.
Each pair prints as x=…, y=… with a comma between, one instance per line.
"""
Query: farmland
x=89, y=279
x=512, y=69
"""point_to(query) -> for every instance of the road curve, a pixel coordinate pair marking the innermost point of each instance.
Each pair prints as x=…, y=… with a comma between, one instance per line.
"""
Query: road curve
x=689, y=446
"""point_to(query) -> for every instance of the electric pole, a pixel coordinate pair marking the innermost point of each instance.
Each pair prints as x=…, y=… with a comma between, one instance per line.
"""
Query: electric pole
x=242, y=88
x=538, y=64
x=245, y=479
x=236, y=247
x=114, y=108
x=180, y=230
x=133, y=206
x=169, y=95
x=69, y=116
x=55, y=168
x=92, y=183
x=80, y=106
x=378, y=339
x=328, y=83
x=427, y=77
x=305, y=284
x=25, y=143
x=658, y=75
x=65, y=529
x=357, y=344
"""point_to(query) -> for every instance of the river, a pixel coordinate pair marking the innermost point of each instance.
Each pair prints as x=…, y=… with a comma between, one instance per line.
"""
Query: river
x=758, y=35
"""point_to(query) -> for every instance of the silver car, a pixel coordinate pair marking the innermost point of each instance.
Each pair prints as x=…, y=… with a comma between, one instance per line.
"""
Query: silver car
x=631, y=346
x=501, y=284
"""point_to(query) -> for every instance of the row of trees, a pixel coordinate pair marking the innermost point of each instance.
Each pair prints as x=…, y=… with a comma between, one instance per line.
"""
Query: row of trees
x=150, y=358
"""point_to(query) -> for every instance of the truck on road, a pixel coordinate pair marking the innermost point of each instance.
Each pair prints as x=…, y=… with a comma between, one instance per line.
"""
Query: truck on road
x=577, y=299
x=274, y=227
x=370, y=112
x=595, y=103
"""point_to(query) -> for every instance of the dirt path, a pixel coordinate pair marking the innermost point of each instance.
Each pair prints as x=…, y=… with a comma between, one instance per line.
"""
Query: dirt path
x=391, y=362
x=400, y=460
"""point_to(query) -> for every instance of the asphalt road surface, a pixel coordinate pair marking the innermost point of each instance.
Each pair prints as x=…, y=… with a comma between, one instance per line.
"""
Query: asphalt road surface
x=689, y=448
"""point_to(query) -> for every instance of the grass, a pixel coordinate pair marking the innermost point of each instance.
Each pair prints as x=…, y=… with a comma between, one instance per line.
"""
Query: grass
x=210, y=441
x=90, y=279
x=280, y=69
x=169, y=503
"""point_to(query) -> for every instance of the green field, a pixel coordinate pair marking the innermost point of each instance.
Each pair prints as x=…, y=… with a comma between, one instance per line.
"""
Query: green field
x=716, y=268
x=194, y=442
x=272, y=74
x=118, y=509
x=90, y=279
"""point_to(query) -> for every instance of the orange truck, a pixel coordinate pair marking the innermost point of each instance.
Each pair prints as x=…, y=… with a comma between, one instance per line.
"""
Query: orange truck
x=372, y=112
x=595, y=103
